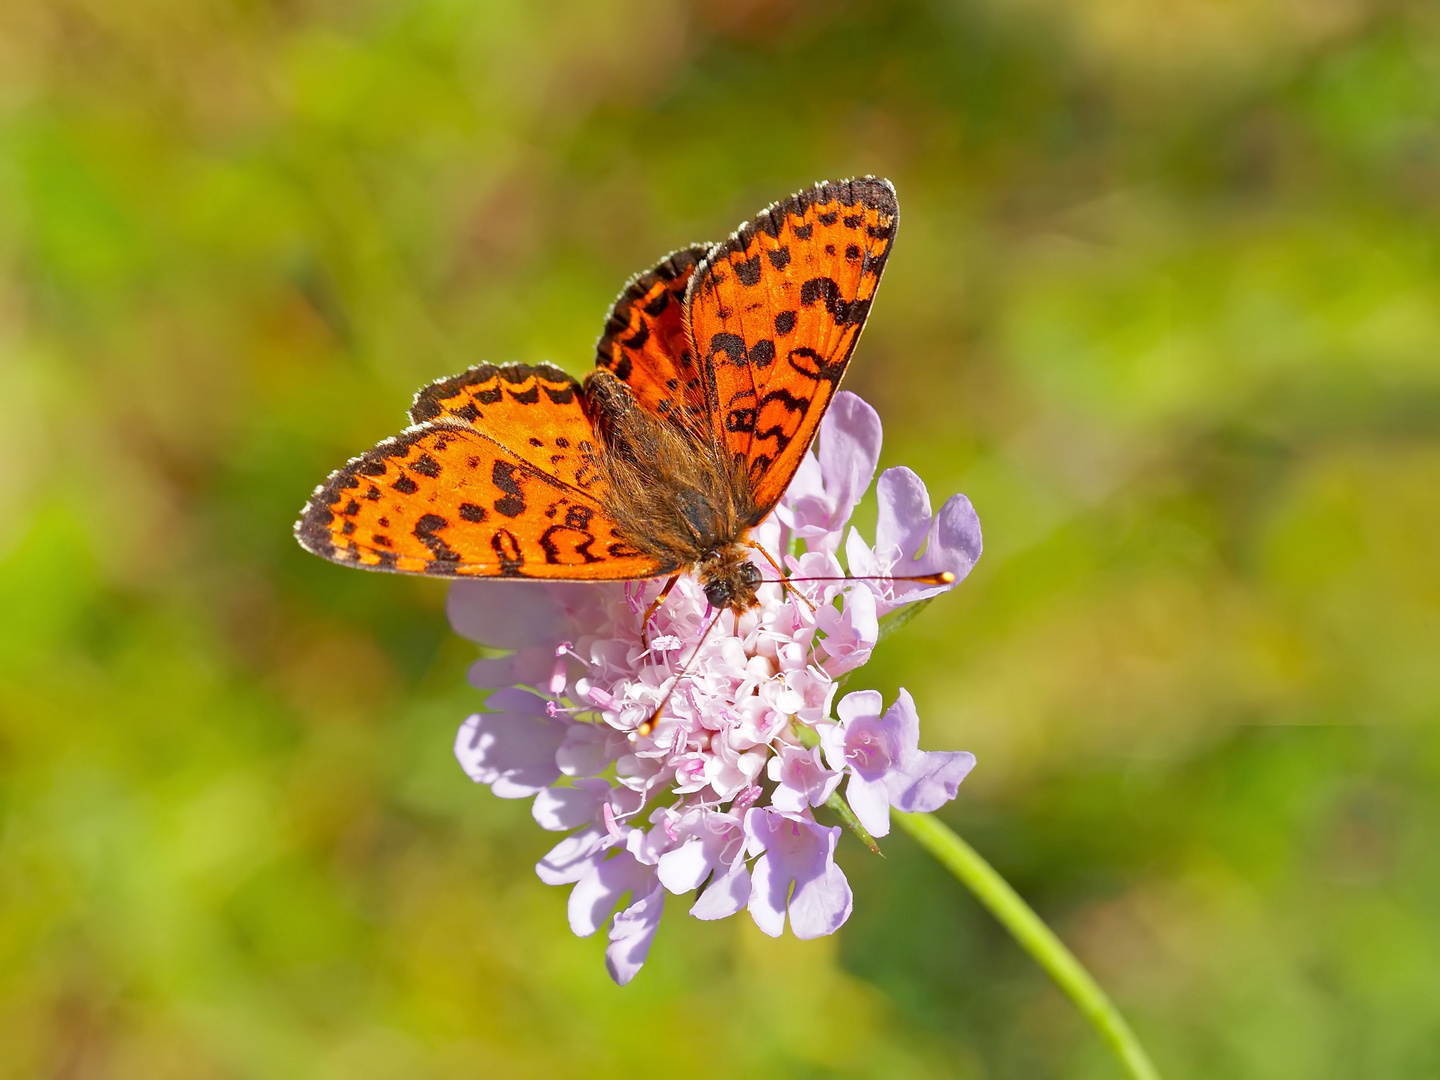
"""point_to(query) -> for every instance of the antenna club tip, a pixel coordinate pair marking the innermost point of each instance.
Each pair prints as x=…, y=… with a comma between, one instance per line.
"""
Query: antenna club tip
x=943, y=577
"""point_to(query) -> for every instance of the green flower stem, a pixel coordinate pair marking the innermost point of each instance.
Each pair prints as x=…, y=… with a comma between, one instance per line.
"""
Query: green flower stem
x=1033, y=935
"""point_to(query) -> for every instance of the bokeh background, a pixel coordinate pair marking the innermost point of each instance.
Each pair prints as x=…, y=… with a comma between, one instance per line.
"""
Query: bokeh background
x=1165, y=303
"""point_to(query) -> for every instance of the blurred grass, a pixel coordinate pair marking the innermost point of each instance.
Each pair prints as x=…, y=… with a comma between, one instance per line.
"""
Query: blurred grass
x=1166, y=304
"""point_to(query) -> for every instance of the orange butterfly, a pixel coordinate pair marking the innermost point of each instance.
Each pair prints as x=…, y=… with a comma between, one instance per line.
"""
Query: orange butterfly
x=712, y=376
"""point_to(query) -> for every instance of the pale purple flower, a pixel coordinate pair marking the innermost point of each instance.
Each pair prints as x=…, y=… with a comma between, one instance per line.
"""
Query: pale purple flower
x=797, y=854
x=886, y=765
x=709, y=842
x=950, y=540
x=720, y=794
x=802, y=780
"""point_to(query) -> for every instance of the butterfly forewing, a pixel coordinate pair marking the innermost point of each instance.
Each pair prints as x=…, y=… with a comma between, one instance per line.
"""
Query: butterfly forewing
x=645, y=344
x=775, y=313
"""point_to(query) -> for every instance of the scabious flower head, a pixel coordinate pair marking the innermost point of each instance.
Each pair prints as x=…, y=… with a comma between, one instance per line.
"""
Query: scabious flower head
x=719, y=794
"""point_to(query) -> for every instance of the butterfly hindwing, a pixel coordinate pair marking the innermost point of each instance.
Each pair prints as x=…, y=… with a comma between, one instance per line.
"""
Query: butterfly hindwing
x=498, y=478
x=775, y=313
x=536, y=412
x=645, y=344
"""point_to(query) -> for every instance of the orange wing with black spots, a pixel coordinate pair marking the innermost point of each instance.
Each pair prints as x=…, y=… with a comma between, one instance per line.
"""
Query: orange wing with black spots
x=645, y=344
x=498, y=480
x=775, y=313
x=538, y=413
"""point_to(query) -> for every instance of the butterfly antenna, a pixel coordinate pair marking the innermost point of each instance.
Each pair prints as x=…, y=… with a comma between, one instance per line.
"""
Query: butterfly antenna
x=784, y=579
x=944, y=577
x=648, y=726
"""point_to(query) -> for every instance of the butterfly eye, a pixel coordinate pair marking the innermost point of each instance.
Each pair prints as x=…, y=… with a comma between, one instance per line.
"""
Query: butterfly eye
x=750, y=575
x=718, y=593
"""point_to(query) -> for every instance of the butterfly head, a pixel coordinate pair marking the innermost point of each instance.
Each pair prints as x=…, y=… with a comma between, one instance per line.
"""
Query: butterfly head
x=730, y=578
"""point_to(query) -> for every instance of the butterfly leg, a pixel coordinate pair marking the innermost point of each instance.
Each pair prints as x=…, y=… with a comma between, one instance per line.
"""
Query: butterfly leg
x=647, y=726
x=784, y=579
x=653, y=608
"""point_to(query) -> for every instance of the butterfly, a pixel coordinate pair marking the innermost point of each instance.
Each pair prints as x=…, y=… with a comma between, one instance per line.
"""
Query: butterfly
x=711, y=378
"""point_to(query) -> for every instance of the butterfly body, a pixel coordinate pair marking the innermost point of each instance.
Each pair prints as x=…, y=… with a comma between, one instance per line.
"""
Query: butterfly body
x=712, y=376
x=674, y=495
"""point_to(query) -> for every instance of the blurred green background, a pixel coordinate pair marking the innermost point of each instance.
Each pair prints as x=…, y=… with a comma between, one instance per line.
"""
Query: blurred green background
x=1165, y=303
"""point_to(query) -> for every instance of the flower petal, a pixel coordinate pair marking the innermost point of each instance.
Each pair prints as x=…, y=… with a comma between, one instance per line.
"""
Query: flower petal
x=685, y=867
x=848, y=447
x=725, y=895
x=929, y=779
x=631, y=935
x=504, y=614
x=588, y=749
x=558, y=808
x=803, y=779
x=806, y=485
x=768, y=891
x=574, y=857
x=870, y=799
x=920, y=780
x=850, y=632
x=954, y=541
x=861, y=704
x=491, y=673
x=904, y=517
x=832, y=478
x=595, y=895
x=821, y=905
x=513, y=750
